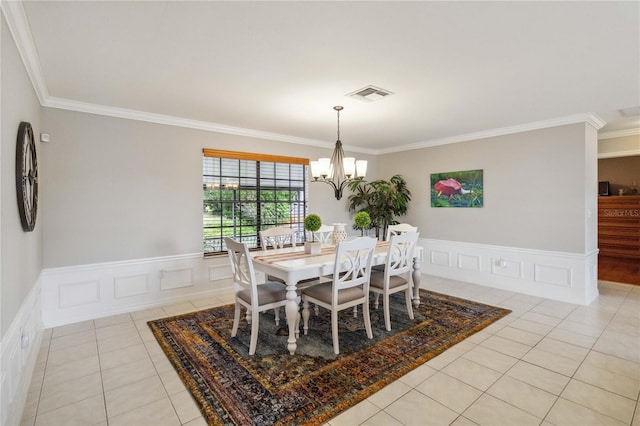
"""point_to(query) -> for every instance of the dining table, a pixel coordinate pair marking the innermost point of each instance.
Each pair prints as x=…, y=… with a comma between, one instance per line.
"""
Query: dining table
x=293, y=265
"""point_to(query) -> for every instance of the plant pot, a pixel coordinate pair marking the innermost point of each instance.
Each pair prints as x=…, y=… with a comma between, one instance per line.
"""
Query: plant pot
x=312, y=247
x=339, y=233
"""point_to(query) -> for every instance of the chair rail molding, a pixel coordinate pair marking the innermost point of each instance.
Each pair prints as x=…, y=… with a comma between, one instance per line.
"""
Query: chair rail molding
x=84, y=292
x=567, y=277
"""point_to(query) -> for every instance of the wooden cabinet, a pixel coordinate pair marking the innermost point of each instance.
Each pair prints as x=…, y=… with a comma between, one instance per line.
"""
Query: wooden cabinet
x=619, y=226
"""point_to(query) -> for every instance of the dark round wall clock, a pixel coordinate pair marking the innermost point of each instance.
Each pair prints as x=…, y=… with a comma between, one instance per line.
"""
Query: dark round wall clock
x=27, y=176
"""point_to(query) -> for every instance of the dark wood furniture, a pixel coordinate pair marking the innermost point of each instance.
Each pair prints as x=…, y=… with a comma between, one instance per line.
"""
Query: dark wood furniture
x=619, y=226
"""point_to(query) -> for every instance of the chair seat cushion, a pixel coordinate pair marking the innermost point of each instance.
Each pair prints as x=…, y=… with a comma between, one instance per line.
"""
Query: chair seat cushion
x=267, y=293
x=322, y=292
x=377, y=280
x=280, y=280
x=304, y=284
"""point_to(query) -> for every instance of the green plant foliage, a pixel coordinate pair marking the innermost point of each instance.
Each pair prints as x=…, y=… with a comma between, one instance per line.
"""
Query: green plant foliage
x=382, y=200
x=312, y=223
x=361, y=221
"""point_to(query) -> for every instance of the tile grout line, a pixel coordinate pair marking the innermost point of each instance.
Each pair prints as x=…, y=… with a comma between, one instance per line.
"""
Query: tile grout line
x=572, y=377
x=503, y=374
x=628, y=295
x=44, y=374
x=104, y=393
x=47, y=366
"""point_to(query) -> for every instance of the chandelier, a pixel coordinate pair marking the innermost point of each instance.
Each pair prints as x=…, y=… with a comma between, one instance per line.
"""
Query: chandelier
x=339, y=170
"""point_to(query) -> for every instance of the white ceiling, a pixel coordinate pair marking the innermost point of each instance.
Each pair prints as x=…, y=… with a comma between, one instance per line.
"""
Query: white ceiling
x=455, y=68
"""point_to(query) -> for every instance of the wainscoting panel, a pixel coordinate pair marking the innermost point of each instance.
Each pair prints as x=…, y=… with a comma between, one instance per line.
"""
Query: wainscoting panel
x=441, y=258
x=470, y=263
x=132, y=285
x=176, y=278
x=506, y=267
x=221, y=272
x=85, y=292
x=552, y=275
x=18, y=354
x=75, y=294
x=568, y=277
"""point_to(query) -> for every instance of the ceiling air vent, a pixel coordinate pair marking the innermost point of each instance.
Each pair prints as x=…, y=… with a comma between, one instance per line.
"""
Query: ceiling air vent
x=370, y=93
x=630, y=112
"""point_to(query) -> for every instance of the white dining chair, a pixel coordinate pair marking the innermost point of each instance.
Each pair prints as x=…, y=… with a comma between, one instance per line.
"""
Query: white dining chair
x=396, y=275
x=255, y=298
x=349, y=286
x=277, y=237
x=398, y=229
x=324, y=234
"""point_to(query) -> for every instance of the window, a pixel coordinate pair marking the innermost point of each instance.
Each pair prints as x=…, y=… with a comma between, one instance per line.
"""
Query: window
x=244, y=193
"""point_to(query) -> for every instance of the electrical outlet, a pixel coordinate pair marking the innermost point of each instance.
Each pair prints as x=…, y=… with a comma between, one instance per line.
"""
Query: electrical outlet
x=24, y=341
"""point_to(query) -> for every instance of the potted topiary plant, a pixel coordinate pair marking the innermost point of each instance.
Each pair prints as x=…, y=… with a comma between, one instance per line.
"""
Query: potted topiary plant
x=383, y=200
x=361, y=221
x=312, y=223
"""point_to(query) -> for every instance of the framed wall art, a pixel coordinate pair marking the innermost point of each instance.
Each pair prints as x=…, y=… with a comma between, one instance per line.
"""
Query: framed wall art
x=457, y=189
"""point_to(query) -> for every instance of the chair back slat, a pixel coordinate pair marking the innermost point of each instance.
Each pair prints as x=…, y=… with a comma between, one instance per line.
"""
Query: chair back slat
x=277, y=237
x=353, y=264
x=323, y=235
x=400, y=255
x=398, y=229
x=241, y=265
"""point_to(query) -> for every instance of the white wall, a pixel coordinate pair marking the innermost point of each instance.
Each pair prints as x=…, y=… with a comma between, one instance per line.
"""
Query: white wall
x=119, y=190
x=537, y=231
x=123, y=213
x=534, y=189
x=123, y=223
x=20, y=252
x=621, y=146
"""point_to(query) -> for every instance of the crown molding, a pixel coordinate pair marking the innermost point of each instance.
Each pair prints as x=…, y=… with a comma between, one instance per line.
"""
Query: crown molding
x=618, y=154
x=591, y=119
x=71, y=105
x=595, y=121
x=19, y=27
x=619, y=134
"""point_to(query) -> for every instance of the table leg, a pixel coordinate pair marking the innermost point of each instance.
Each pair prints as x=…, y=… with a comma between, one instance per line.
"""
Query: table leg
x=291, y=309
x=415, y=276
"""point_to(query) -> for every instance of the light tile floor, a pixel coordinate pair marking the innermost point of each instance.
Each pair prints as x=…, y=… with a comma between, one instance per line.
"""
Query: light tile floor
x=547, y=363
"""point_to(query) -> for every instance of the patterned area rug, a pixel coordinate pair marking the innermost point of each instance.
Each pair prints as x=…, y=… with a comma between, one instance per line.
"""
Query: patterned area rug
x=314, y=385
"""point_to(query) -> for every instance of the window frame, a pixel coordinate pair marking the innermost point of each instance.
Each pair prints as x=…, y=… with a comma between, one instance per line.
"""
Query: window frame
x=298, y=206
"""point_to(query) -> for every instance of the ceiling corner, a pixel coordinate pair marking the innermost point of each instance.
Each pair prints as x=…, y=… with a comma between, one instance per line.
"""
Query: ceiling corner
x=19, y=27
